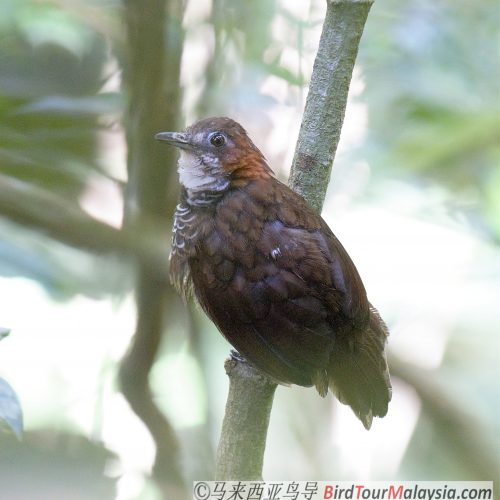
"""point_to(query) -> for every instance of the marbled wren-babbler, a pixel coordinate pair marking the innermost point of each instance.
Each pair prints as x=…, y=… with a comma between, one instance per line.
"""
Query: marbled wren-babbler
x=270, y=273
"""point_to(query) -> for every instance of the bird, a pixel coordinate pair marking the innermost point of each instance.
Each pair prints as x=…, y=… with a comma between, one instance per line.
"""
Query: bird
x=270, y=273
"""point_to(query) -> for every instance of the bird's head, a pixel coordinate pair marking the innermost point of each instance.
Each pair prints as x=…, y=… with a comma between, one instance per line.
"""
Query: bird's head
x=216, y=153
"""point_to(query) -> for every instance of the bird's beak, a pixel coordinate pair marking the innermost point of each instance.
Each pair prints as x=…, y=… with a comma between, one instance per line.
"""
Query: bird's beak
x=178, y=139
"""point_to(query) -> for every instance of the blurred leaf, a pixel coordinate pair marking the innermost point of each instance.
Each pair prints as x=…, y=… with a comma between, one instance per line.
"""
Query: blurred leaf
x=58, y=465
x=61, y=270
x=4, y=332
x=92, y=105
x=432, y=89
x=46, y=24
x=236, y=68
x=52, y=70
x=50, y=107
x=285, y=74
x=10, y=409
x=455, y=141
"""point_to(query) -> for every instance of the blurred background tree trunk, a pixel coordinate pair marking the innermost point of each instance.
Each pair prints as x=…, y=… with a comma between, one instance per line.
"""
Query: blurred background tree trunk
x=151, y=82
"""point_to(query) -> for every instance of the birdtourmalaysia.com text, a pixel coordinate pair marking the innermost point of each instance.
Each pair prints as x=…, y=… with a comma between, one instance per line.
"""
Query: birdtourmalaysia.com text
x=344, y=490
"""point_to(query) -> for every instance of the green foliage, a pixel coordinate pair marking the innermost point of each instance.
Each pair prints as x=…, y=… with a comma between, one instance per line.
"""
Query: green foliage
x=431, y=71
x=52, y=69
x=11, y=417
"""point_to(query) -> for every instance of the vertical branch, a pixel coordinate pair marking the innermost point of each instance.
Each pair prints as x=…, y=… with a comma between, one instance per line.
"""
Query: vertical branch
x=327, y=99
x=242, y=445
x=151, y=80
x=240, y=454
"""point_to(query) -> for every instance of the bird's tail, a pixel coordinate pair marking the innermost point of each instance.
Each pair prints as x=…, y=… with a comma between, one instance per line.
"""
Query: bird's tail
x=358, y=374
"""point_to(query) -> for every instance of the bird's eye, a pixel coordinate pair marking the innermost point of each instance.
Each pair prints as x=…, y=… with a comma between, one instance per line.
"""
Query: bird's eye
x=217, y=140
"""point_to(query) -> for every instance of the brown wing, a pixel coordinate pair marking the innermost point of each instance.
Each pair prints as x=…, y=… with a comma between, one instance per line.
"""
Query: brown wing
x=277, y=283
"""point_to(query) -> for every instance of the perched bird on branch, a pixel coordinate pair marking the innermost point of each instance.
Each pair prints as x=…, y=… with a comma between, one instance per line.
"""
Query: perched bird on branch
x=270, y=273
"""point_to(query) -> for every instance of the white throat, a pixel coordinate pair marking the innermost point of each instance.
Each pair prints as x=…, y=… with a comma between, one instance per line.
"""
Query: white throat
x=194, y=175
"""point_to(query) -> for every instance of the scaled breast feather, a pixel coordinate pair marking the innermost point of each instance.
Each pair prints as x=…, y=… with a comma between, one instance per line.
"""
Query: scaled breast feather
x=184, y=233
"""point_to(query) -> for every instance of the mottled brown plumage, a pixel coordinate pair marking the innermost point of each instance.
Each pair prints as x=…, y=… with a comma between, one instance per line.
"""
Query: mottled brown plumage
x=270, y=273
